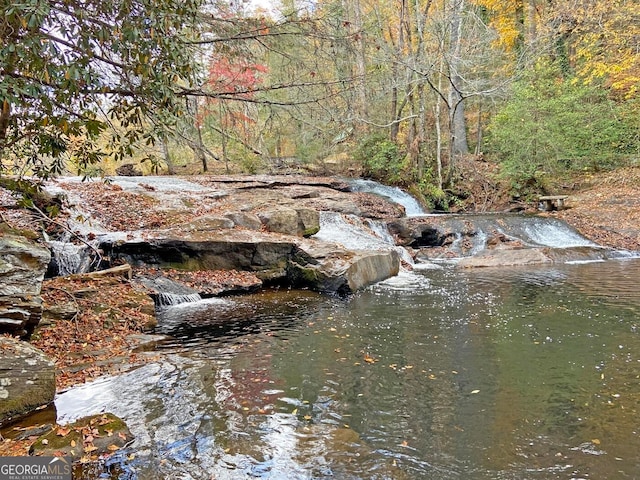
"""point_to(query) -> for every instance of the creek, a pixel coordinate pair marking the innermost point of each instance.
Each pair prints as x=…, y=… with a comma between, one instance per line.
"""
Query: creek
x=438, y=373
x=511, y=373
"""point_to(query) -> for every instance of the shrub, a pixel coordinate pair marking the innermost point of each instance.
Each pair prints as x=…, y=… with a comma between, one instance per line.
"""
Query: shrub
x=381, y=159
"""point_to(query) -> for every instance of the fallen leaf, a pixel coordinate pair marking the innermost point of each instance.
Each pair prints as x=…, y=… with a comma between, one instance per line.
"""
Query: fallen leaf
x=475, y=391
x=62, y=431
x=595, y=441
x=113, y=448
x=369, y=359
x=90, y=448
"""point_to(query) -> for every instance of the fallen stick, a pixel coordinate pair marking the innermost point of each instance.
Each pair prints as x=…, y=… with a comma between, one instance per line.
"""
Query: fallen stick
x=124, y=270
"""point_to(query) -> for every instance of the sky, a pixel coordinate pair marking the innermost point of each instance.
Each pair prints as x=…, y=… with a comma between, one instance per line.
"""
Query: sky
x=266, y=4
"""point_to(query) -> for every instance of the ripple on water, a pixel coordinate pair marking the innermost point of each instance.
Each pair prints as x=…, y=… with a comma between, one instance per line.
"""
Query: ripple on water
x=486, y=374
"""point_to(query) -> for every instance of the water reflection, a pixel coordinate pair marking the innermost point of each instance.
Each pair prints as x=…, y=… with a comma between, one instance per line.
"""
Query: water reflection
x=485, y=374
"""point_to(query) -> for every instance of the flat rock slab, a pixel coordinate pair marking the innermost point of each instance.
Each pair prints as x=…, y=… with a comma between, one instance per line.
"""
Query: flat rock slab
x=27, y=379
x=507, y=257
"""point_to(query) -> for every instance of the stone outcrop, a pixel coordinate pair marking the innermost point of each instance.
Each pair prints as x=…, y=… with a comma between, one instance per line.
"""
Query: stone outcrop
x=27, y=379
x=257, y=224
x=23, y=264
x=300, y=222
x=506, y=257
x=323, y=267
x=264, y=255
x=329, y=268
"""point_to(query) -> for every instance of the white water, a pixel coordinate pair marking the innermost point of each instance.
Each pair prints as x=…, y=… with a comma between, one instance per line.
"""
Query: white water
x=167, y=299
x=71, y=258
x=411, y=206
x=552, y=233
x=354, y=233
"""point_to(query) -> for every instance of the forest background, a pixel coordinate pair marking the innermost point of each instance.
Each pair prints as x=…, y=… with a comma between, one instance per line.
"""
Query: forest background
x=463, y=102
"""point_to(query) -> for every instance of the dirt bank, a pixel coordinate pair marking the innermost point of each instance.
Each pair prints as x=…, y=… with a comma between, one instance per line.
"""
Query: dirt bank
x=606, y=208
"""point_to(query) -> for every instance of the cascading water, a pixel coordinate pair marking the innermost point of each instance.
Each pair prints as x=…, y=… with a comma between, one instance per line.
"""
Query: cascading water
x=357, y=234
x=68, y=258
x=168, y=299
x=411, y=206
x=469, y=234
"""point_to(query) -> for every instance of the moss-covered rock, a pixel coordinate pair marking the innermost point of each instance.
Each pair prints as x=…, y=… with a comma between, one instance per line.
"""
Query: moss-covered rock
x=27, y=379
x=87, y=439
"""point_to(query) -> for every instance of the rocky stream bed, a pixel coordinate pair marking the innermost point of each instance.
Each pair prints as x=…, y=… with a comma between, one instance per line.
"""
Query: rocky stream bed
x=210, y=236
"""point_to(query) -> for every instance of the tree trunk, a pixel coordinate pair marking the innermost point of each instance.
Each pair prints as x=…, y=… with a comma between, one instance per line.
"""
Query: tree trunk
x=457, y=122
x=361, y=63
x=395, y=108
x=5, y=116
x=438, y=120
x=478, y=151
x=198, y=151
x=531, y=22
x=167, y=156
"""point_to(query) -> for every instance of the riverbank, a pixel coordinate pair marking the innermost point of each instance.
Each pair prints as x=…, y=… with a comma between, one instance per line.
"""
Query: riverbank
x=102, y=333
x=606, y=208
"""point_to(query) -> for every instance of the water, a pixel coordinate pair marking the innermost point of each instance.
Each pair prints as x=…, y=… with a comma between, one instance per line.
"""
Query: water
x=507, y=373
x=411, y=205
x=356, y=233
x=69, y=258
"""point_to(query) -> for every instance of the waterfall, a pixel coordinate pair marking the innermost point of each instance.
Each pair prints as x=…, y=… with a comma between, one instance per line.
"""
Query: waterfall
x=411, y=206
x=68, y=258
x=168, y=299
x=356, y=233
x=550, y=232
x=168, y=292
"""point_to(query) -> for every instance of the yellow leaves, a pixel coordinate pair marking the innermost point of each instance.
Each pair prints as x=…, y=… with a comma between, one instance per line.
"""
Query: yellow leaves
x=506, y=19
x=603, y=39
x=90, y=448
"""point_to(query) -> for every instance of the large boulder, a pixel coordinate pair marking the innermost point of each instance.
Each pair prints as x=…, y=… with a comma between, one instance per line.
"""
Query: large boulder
x=23, y=264
x=27, y=379
x=264, y=255
x=330, y=268
x=300, y=222
x=245, y=220
x=324, y=267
